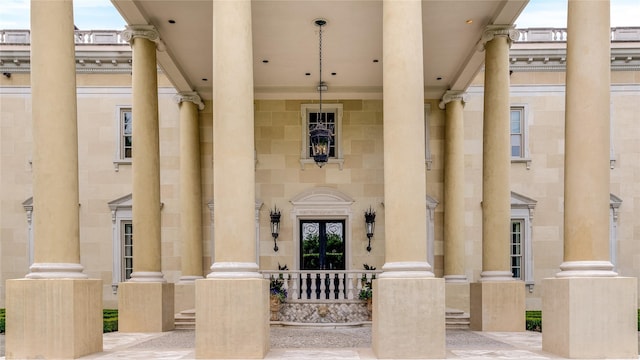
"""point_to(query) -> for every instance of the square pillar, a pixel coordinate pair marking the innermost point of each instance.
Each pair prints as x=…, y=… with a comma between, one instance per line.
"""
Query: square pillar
x=408, y=318
x=145, y=307
x=185, y=297
x=590, y=317
x=497, y=306
x=457, y=295
x=244, y=303
x=53, y=318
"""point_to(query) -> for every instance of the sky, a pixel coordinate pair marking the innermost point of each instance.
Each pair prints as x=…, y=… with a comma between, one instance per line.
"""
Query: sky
x=101, y=15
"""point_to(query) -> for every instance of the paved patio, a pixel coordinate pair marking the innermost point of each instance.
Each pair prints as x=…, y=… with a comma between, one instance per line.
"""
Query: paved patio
x=343, y=343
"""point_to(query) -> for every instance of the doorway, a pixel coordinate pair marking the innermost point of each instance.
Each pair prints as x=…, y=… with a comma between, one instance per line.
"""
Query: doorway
x=322, y=245
x=322, y=248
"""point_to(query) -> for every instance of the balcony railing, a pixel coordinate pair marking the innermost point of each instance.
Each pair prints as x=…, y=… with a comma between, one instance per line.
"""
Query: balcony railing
x=322, y=285
x=560, y=34
x=82, y=37
x=113, y=37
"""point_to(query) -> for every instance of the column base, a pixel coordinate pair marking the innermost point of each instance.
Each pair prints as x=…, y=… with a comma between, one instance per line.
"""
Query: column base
x=408, y=318
x=590, y=318
x=145, y=307
x=53, y=318
x=185, y=296
x=457, y=295
x=233, y=318
x=497, y=306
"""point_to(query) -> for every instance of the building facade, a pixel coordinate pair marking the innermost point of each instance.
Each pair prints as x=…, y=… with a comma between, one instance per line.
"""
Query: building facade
x=322, y=224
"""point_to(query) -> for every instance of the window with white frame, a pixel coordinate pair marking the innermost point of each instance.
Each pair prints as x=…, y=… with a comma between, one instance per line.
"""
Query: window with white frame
x=331, y=117
x=517, y=131
x=124, y=139
x=122, y=240
x=614, y=211
x=521, y=237
x=427, y=156
x=518, y=135
x=517, y=226
x=126, y=227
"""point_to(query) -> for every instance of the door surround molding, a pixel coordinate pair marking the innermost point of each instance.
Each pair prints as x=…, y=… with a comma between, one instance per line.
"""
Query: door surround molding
x=317, y=204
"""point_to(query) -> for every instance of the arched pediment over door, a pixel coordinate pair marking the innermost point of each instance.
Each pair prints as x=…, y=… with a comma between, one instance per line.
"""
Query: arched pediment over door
x=321, y=203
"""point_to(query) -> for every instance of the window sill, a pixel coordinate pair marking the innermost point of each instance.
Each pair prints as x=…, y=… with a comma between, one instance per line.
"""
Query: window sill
x=339, y=162
x=526, y=161
x=117, y=163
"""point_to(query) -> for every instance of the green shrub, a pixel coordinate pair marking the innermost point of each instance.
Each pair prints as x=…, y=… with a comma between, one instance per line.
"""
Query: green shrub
x=1, y=321
x=109, y=320
x=533, y=320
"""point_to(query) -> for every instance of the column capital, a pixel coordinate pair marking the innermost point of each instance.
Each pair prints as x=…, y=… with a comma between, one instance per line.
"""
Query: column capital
x=452, y=95
x=148, y=32
x=491, y=31
x=191, y=96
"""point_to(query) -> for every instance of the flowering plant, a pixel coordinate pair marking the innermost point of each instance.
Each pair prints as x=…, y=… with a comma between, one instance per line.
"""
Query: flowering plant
x=276, y=285
x=367, y=291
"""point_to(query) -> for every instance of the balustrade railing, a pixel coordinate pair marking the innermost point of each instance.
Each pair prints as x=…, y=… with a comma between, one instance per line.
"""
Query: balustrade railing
x=113, y=37
x=322, y=285
x=82, y=37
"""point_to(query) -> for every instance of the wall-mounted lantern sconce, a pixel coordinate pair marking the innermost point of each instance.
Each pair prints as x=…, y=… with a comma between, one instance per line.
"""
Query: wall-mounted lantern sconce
x=275, y=226
x=370, y=220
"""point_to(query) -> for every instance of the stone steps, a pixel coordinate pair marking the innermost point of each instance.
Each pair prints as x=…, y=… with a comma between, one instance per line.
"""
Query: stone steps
x=454, y=319
x=185, y=320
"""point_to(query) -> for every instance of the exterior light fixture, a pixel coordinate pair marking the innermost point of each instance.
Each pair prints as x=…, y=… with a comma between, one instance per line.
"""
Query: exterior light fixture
x=275, y=226
x=320, y=135
x=370, y=221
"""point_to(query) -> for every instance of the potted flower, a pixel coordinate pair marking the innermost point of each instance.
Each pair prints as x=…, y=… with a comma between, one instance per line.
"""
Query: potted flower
x=366, y=293
x=277, y=292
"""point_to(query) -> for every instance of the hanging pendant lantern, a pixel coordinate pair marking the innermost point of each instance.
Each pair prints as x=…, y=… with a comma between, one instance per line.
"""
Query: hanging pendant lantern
x=320, y=134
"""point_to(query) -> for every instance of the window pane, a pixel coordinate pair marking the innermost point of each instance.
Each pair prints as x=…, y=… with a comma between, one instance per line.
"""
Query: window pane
x=126, y=131
x=516, y=123
x=516, y=248
x=329, y=119
x=516, y=145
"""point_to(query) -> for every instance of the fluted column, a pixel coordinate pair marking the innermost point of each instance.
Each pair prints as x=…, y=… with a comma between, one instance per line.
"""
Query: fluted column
x=55, y=142
x=55, y=312
x=496, y=156
x=190, y=187
x=146, y=155
x=407, y=280
x=454, y=263
x=233, y=301
x=586, y=166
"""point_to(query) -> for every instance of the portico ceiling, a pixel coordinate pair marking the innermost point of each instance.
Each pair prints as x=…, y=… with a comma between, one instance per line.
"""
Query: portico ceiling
x=285, y=36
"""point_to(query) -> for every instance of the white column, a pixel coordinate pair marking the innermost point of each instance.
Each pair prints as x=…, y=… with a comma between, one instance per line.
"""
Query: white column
x=55, y=143
x=146, y=301
x=454, y=254
x=146, y=155
x=497, y=301
x=590, y=312
x=407, y=281
x=233, y=301
x=56, y=311
x=496, y=156
x=190, y=186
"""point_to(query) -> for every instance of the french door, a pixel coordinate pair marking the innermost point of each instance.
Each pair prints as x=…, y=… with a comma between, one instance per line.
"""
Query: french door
x=322, y=248
x=322, y=245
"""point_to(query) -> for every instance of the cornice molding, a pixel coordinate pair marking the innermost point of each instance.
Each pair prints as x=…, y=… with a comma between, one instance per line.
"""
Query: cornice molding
x=190, y=96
